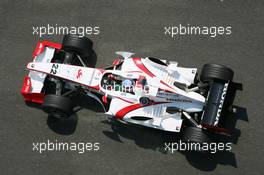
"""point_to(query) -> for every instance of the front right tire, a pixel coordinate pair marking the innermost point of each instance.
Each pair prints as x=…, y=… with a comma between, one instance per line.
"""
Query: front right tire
x=81, y=46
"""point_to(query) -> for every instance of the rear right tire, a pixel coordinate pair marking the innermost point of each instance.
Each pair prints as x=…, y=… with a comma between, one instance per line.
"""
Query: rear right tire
x=216, y=71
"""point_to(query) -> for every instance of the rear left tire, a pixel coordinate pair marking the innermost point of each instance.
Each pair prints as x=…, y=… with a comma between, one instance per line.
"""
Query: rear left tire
x=195, y=136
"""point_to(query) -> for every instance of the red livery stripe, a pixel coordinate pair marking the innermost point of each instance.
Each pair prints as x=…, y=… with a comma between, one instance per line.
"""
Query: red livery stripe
x=141, y=66
x=120, y=114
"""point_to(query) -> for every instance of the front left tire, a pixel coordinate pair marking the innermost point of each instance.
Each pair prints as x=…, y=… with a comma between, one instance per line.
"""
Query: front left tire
x=58, y=106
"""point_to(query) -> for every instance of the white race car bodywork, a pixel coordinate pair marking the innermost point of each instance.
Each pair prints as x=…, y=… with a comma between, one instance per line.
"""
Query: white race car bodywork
x=126, y=106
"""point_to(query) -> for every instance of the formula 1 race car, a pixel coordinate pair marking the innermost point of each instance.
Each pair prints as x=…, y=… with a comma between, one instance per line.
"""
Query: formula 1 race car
x=144, y=91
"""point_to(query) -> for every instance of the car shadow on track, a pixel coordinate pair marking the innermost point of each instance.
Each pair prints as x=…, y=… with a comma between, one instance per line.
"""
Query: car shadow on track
x=61, y=126
x=67, y=126
x=155, y=140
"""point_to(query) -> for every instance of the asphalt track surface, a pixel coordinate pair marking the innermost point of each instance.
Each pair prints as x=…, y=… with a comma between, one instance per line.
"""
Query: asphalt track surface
x=136, y=26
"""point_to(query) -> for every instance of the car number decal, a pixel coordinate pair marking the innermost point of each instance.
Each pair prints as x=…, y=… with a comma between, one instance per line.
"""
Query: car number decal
x=54, y=68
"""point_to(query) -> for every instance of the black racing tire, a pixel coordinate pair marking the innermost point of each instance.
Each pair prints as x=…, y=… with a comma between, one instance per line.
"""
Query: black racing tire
x=195, y=135
x=58, y=106
x=216, y=71
x=82, y=46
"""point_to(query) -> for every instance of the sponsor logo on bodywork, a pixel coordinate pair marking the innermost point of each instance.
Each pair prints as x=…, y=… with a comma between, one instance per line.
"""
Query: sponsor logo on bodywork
x=179, y=100
x=79, y=74
x=220, y=107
